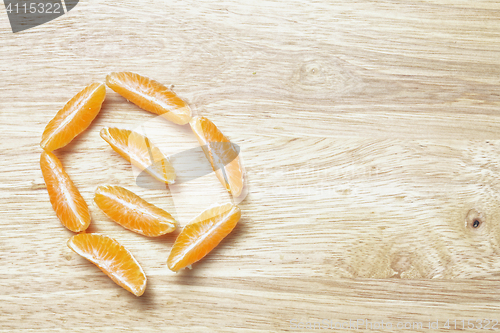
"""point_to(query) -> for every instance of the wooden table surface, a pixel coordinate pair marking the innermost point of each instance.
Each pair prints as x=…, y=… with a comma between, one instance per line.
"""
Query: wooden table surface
x=370, y=132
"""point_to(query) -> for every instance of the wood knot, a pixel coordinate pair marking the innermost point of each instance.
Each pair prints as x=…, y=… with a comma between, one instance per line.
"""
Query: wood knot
x=324, y=77
x=312, y=74
x=474, y=219
x=401, y=263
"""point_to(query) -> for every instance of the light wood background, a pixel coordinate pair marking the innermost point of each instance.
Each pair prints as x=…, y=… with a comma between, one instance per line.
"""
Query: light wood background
x=370, y=132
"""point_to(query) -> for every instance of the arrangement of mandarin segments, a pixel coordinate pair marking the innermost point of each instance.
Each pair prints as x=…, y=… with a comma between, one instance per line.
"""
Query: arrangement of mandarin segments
x=200, y=236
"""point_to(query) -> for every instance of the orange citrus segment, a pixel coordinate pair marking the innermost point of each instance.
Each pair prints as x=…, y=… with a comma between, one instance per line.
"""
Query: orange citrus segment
x=112, y=258
x=211, y=212
x=138, y=150
x=202, y=235
x=65, y=198
x=132, y=212
x=221, y=153
x=74, y=117
x=150, y=95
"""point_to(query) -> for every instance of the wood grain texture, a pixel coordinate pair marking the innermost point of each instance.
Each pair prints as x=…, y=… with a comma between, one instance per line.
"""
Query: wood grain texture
x=370, y=133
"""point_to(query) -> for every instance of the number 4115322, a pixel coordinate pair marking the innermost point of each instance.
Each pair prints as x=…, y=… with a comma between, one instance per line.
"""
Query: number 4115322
x=485, y=324
x=33, y=8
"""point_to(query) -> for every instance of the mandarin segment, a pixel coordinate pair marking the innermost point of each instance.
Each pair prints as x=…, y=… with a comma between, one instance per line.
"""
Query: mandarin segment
x=112, y=258
x=74, y=117
x=202, y=235
x=132, y=212
x=150, y=95
x=69, y=205
x=212, y=212
x=221, y=153
x=141, y=152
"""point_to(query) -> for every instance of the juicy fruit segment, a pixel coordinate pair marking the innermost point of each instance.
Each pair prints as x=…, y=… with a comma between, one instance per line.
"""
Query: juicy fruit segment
x=132, y=212
x=112, y=258
x=74, y=117
x=202, y=235
x=138, y=150
x=65, y=198
x=150, y=95
x=221, y=153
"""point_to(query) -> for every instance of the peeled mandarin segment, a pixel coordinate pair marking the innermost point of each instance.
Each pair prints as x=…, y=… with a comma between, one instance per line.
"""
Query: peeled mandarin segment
x=212, y=212
x=112, y=258
x=138, y=150
x=65, y=198
x=132, y=212
x=221, y=153
x=74, y=117
x=202, y=235
x=150, y=95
